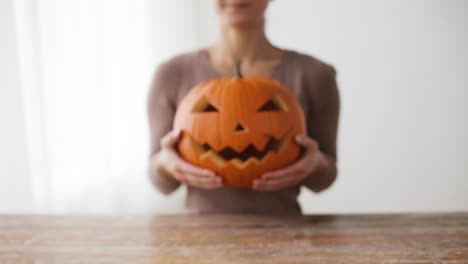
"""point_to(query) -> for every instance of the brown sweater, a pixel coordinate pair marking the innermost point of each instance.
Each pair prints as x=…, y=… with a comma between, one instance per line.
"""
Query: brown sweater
x=310, y=80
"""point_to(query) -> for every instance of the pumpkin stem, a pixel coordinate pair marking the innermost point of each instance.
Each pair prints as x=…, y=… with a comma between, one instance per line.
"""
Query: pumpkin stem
x=237, y=68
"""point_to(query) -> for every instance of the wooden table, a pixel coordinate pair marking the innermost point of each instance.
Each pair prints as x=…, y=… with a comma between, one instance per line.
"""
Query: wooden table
x=411, y=238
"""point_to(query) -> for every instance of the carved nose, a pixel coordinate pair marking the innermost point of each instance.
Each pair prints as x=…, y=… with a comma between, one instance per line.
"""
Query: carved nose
x=239, y=128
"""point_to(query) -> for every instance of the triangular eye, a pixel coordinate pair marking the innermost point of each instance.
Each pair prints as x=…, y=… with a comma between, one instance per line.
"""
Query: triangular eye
x=210, y=108
x=273, y=104
x=203, y=105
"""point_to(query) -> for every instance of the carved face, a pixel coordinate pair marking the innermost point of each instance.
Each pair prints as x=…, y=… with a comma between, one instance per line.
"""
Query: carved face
x=239, y=128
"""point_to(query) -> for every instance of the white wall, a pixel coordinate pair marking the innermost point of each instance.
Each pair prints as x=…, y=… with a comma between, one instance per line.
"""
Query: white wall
x=402, y=70
x=15, y=189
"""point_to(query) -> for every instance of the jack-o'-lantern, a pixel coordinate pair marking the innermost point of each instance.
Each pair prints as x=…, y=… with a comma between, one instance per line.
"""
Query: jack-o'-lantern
x=239, y=127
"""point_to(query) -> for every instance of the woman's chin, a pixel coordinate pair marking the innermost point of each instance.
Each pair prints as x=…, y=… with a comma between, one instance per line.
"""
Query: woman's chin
x=238, y=21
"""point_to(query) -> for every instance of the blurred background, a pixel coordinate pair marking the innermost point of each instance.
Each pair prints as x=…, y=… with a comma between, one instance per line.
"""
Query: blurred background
x=74, y=77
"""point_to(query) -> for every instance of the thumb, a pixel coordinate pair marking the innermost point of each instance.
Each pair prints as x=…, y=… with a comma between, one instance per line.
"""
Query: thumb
x=308, y=143
x=169, y=140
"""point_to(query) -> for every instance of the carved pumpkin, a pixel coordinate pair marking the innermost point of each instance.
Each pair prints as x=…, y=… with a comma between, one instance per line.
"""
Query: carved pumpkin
x=239, y=128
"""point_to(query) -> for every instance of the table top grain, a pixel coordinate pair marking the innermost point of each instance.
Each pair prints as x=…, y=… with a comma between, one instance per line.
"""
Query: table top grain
x=388, y=238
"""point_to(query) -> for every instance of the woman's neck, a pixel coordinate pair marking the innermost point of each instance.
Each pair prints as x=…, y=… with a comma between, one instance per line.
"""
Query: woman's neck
x=245, y=44
x=248, y=45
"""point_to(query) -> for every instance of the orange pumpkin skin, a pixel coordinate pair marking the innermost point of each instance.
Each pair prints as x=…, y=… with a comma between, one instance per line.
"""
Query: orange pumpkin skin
x=239, y=128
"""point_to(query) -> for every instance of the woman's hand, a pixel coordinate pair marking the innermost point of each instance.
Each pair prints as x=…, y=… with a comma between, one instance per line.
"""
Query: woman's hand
x=312, y=162
x=168, y=163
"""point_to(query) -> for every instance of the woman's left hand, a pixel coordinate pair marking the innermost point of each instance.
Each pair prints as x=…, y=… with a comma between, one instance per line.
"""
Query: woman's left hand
x=312, y=162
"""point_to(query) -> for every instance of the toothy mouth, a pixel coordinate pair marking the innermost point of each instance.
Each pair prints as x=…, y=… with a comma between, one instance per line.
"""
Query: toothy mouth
x=228, y=154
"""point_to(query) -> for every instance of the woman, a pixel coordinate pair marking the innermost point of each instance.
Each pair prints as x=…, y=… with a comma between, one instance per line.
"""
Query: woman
x=242, y=37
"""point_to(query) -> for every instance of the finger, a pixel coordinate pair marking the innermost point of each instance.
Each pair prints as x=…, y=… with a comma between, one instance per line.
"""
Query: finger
x=179, y=177
x=202, y=182
x=286, y=178
x=295, y=168
x=267, y=183
x=278, y=184
x=169, y=140
x=188, y=168
x=197, y=181
x=308, y=143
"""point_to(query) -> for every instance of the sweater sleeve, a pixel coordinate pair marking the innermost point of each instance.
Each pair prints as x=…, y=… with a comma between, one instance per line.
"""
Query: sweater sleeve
x=161, y=110
x=322, y=125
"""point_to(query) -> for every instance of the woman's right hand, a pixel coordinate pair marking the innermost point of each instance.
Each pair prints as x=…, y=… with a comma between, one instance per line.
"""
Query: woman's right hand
x=168, y=163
